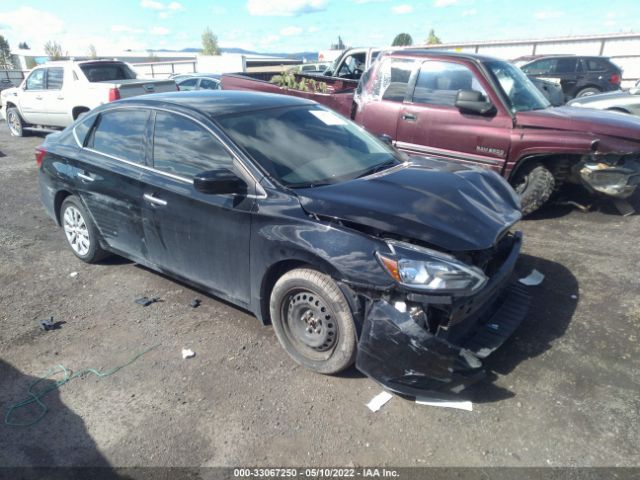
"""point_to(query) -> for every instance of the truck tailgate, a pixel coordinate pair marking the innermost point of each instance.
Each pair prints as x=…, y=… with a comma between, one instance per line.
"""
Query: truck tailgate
x=132, y=88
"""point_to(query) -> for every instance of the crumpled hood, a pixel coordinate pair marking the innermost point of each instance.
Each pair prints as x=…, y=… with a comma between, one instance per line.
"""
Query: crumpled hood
x=597, y=122
x=450, y=206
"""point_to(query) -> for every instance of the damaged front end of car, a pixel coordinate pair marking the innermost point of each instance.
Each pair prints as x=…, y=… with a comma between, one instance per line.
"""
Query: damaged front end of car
x=447, y=314
x=615, y=175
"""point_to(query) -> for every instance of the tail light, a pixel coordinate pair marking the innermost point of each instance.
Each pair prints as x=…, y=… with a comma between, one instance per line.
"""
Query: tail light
x=114, y=94
x=615, y=79
x=40, y=153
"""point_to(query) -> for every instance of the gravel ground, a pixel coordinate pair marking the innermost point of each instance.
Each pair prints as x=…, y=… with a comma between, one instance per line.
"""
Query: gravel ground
x=564, y=392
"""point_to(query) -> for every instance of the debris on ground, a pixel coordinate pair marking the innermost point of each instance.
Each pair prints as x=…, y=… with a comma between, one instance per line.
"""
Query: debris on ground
x=579, y=206
x=446, y=403
x=574, y=296
x=49, y=324
x=187, y=353
x=533, y=279
x=73, y=274
x=146, y=301
x=379, y=400
x=195, y=303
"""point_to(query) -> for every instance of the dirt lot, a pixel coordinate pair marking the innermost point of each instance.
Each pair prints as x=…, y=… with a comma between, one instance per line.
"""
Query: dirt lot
x=565, y=393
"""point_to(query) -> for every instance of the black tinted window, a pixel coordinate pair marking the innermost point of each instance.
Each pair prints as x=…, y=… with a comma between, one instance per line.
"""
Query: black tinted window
x=439, y=83
x=207, y=84
x=121, y=133
x=566, y=65
x=184, y=148
x=596, y=64
x=36, y=80
x=106, y=72
x=54, y=78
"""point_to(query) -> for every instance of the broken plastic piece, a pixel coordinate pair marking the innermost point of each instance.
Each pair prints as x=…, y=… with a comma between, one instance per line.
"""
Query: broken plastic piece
x=379, y=400
x=188, y=353
x=195, y=303
x=439, y=402
x=49, y=324
x=145, y=301
x=73, y=274
x=533, y=279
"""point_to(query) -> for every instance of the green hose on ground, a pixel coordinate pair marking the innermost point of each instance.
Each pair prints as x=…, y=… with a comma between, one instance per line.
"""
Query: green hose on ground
x=35, y=397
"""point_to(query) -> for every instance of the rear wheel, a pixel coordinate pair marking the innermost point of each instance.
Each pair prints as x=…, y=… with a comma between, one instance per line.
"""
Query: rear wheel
x=81, y=233
x=535, y=184
x=15, y=122
x=585, y=92
x=313, y=321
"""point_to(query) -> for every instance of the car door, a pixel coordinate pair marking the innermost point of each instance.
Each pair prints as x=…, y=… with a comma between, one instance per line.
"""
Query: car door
x=203, y=238
x=565, y=70
x=54, y=101
x=381, y=94
x=430, y=124
x=32, y=105
x=109, y=178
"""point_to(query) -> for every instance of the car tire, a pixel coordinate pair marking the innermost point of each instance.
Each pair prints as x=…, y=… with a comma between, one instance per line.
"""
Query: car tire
x=535, y=184
x=585, y=92
x=80, y=231
x=313, y=321
x=15, y=123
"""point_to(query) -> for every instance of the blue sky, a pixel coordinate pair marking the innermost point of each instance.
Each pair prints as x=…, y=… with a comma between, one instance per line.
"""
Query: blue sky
x=297, y=25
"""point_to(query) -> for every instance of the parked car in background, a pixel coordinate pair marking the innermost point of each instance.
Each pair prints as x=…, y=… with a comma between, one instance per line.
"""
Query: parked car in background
x=351, y=250
x=56, y=93
x=5, y=83
x=622, y=101
x=478, y=110
x=551, y=89
x=319, y=67
x=199, y=81
x=579, y=75
x=352, y=63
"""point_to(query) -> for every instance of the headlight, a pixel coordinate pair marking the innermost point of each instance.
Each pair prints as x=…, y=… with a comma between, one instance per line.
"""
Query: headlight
x=425, y=269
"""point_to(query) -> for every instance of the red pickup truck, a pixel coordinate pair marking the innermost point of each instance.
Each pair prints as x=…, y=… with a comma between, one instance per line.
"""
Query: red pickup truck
x=483, y=111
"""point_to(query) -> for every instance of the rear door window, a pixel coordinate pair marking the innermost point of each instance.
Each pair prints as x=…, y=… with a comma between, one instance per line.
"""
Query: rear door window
x=207, y=84
x=55, y=78
x=540, y=67
x=438, y=83
x=183, y=147
x=121, y=134
x=566, y=65
x=36, y=80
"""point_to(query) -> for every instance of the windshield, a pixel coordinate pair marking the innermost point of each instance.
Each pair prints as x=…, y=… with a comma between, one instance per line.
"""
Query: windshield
x=107, y=72
x=522, y=94
x=308, y=146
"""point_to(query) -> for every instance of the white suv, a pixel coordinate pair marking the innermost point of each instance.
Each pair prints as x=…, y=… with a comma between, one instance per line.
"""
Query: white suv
x=56, y=93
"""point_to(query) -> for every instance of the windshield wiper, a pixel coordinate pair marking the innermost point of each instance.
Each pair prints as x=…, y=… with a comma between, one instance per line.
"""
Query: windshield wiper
x=378, y=168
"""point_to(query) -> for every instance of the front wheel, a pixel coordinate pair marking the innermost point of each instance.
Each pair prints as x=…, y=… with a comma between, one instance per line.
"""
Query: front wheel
x=15, y=122
x=535, y=184
x=313, y=321
x=81, y=233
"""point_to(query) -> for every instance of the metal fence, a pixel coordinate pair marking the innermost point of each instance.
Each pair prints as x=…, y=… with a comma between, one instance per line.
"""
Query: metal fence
x=13, y=76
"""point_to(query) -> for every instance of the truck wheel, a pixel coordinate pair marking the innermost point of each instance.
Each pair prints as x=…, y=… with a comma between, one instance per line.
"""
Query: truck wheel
x=15, y=122
x=313, y=321
x=535, y=184
x=585, y=92
x=81, y=233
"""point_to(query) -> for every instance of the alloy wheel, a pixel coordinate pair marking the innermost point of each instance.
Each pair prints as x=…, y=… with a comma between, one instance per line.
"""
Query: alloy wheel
x=14, y=124
x=76, y=230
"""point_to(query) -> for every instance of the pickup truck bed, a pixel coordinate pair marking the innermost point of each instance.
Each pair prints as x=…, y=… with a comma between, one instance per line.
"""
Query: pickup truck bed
x=339, y=96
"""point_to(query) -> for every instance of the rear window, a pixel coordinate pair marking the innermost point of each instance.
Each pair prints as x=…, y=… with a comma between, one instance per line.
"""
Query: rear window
x=121, y=133
x=107, y=72
x=596, y=64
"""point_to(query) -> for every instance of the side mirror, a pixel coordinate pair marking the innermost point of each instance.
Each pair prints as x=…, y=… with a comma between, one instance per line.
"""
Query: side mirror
x=386, y=139
x=472, y=101
x=221, y=181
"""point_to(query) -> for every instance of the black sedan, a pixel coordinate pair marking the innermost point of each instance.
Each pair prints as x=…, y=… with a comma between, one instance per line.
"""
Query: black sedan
x=353, y=251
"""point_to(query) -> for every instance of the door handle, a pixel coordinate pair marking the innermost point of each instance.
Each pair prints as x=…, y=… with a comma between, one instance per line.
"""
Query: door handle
x=38, y=97
x=60, y=98
x=409, y=117
x=154, y=200
x=86, y=177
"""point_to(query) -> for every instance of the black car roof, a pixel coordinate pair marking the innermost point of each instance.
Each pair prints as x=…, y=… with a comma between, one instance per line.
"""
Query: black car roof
x=218, y=102
x=442, y=53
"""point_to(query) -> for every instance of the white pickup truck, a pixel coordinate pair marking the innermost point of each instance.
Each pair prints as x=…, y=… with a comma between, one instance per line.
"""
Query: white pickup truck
x=56, y=93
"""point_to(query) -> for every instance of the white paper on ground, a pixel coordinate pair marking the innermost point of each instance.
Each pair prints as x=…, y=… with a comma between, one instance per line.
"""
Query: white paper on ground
x=533, y=279
x=379, y=400
x=436, y=402
x=188, y=353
